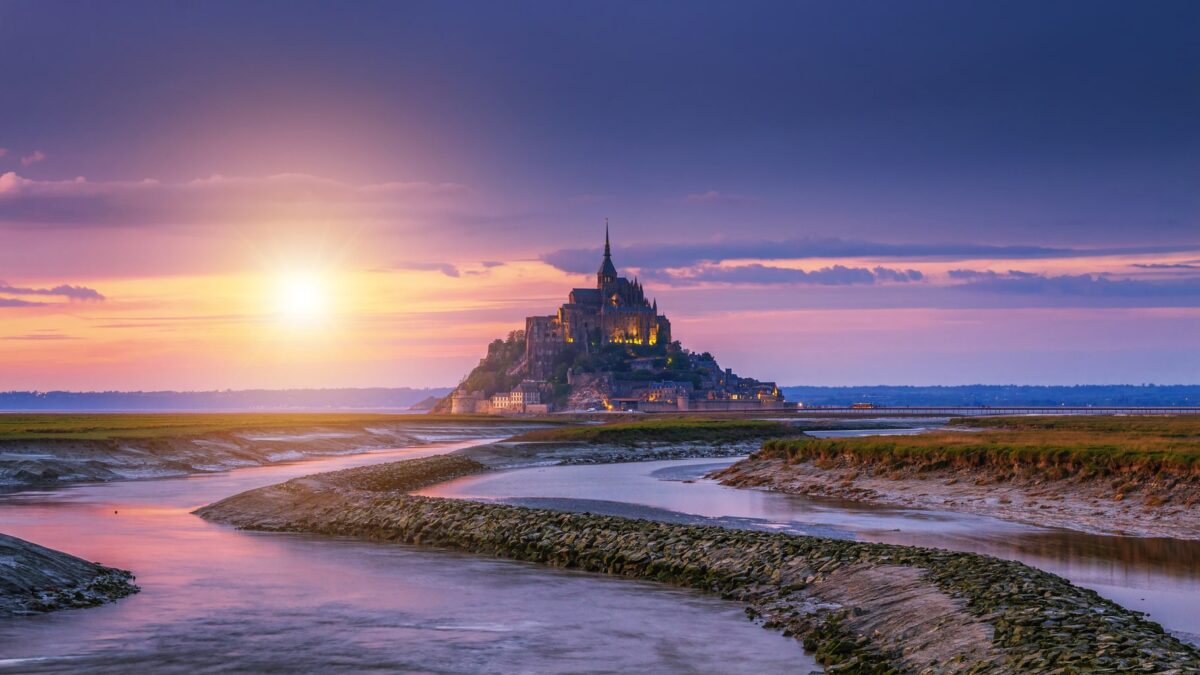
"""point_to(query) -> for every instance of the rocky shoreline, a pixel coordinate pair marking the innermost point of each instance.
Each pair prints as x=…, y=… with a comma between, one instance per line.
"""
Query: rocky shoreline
x=511, y=455
x=1095, y=506
x=35, y=579
x=860, y=607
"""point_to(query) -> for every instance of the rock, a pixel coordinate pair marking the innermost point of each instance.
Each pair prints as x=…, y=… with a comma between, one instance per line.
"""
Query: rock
x=35, y=579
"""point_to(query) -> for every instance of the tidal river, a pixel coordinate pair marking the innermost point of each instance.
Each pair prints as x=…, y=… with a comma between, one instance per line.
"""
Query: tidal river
x=1158, y=576
x=214, y=598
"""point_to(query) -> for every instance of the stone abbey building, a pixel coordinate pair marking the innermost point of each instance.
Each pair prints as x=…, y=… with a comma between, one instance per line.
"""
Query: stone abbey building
x=524, y=373
x=615, y=311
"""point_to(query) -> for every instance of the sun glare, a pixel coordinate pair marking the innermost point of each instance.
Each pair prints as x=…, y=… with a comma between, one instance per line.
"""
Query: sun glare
x=302, y=297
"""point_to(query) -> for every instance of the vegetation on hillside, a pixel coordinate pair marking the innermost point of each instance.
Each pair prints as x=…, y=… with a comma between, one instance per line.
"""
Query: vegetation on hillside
x=495, y=372
x=1056, y=447
x=634, y=363
x=680, y=430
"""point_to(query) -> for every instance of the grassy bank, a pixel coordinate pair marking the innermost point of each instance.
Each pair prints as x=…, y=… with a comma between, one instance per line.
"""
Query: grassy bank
x=117, y=426
x=1056, y=447
x=664, y=431
x=949, y=611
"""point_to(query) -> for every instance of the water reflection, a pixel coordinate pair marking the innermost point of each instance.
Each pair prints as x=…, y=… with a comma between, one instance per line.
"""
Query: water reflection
x=216, y=599
x=1157, y=576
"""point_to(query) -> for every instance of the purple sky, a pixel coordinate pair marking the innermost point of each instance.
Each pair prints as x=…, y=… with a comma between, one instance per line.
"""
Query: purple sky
x=819, y=193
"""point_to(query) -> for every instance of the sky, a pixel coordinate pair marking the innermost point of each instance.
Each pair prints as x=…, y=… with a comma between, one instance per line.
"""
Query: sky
x=211, y=195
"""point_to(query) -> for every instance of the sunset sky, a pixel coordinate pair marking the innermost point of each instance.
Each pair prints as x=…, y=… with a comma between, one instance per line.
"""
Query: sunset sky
x=221, y=195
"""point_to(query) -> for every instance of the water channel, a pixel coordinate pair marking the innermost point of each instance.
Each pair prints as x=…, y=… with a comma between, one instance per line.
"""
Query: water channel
x=216, y=599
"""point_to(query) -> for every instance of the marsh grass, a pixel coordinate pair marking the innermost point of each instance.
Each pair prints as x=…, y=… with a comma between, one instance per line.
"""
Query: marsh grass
x=1057, y=447
x=102, y=427
x=664, y=431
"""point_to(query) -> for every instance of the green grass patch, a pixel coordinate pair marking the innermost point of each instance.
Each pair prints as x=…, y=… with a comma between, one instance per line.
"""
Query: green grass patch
x=100, y=427
x=1056, y=446
x=664, y=431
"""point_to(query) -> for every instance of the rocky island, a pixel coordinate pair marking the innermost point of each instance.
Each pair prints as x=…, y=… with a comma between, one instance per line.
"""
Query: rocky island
x=607, y=348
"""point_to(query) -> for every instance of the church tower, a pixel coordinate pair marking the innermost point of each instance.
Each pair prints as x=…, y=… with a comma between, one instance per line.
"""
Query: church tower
x=607, y=276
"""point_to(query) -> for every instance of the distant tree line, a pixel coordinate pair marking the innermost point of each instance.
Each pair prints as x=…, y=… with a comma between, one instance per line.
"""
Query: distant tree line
x=381, y=398
x=1178, y=395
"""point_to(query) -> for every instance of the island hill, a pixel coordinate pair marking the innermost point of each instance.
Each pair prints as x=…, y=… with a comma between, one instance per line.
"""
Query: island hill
x=606, y=348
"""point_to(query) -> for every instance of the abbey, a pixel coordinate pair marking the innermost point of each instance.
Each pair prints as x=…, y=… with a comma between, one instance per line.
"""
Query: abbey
x=614, y=312
x=607, y=348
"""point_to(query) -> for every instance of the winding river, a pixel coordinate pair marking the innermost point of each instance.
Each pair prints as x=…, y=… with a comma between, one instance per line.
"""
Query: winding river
x=1158, y=576
x=215, y=598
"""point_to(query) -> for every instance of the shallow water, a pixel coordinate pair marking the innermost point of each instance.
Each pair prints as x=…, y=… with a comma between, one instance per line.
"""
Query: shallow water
x=1157, y=576
x=215, y=598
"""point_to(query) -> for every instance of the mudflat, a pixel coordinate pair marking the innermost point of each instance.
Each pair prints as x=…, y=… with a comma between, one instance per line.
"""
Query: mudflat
x=860, y=607
x=1106, y=475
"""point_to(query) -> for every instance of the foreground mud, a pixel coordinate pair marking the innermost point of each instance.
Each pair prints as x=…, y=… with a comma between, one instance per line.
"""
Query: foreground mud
x=35, y=579
x=1122, y=506
x=861, y=607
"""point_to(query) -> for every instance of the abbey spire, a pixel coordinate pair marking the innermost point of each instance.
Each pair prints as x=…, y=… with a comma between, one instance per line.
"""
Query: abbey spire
x=608, y=272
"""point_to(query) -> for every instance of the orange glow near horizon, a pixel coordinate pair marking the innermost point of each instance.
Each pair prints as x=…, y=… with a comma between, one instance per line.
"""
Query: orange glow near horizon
x=300, y=324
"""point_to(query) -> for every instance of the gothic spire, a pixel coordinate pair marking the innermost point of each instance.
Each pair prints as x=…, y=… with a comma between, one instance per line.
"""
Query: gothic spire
x=608, y=272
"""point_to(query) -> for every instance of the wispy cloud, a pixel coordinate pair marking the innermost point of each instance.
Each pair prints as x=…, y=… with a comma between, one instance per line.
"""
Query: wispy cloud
x=3, y=152
x=712, y=197
x=445, y=268
x=64, y=290
x=762, y=275
x=33, y=158
x=40, y=337
x=1016, y=282
x=17, y=302
x=676, y=255
x=1167, y=266
x=82, y=203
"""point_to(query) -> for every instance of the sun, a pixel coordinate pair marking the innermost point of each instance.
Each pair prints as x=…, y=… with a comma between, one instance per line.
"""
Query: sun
x=302, y=296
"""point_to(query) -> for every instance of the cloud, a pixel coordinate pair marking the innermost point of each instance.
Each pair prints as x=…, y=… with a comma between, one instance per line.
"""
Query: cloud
x=1167, y=266
x=974, y=275
x=445, y=268
x=756, y=274
x=1015, y=282
x=33, y=158
x=82, y=203
x=898, y=276
x=712, y=197
x=674, y=255
x=15, y=302
x=40, y=336
x=65, y=290
x=3, y=152
x=491, y=263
